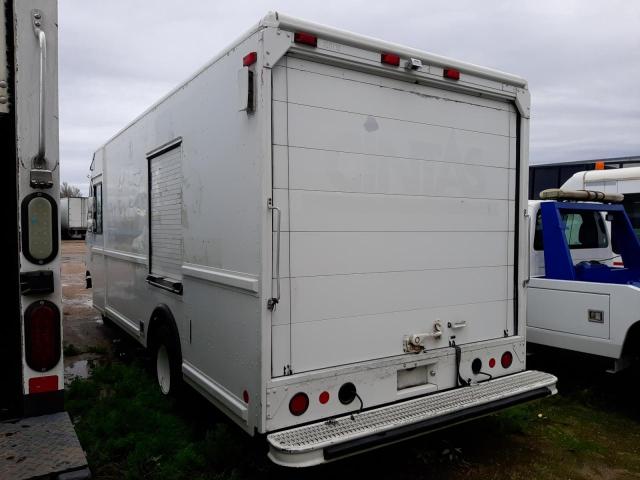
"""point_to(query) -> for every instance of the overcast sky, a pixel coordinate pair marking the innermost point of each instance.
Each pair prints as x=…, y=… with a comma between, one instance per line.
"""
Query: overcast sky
x=581, y=58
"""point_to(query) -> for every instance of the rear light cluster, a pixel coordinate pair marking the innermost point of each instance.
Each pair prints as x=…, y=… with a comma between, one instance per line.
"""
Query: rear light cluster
x=299, y=403
x=506, y=360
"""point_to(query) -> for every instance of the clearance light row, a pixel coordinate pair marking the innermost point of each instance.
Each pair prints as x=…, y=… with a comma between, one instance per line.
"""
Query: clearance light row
x=385, y=58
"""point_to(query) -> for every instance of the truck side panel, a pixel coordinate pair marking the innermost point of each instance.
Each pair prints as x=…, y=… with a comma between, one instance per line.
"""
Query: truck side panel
x=219, y=223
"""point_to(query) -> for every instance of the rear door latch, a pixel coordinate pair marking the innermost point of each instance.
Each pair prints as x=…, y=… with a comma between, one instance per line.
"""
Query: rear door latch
x=415, y=343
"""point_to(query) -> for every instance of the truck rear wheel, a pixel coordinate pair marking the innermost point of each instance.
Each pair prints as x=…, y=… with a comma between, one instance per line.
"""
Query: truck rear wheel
x=166, y=361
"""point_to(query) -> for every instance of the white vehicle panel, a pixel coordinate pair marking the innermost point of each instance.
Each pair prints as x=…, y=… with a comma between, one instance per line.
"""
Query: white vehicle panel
x=568, y=311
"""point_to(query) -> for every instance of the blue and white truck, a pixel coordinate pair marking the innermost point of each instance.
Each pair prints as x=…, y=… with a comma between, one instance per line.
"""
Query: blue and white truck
x=584, y=288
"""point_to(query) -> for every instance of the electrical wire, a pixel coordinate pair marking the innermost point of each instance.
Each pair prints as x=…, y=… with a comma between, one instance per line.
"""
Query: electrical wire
x=460, y=381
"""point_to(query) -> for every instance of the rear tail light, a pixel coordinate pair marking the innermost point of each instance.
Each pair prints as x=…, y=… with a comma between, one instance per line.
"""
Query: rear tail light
x=451, y=73
x=42, y=335
x=506, y=360
x=299, y=404
x=390, y=59
x=305, y=38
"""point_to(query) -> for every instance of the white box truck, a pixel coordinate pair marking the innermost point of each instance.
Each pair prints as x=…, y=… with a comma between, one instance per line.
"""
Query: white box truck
x=322, y=233
x=73, y=217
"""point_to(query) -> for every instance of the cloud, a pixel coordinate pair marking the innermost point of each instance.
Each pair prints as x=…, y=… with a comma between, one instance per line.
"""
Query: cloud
x=580, y=58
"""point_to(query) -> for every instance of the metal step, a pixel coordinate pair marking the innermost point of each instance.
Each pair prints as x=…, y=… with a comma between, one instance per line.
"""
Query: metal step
x=41, y=447
x=331, y=439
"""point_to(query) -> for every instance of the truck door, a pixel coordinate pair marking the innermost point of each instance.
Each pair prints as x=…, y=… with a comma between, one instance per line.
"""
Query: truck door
x=95, y=233
x=397, y=207
x=31, y=332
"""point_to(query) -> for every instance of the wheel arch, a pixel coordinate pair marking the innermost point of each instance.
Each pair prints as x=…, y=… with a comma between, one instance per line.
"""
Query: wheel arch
x=160, y=316
x=631, y=345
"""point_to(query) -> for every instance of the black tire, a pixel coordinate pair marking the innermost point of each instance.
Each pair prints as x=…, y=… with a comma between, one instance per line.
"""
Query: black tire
x=163, y=342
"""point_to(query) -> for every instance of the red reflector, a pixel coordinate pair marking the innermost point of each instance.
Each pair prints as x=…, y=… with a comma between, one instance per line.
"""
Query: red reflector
x=451, y=73
x=42, y=335
x=250, y=59
x=324, y=397
x=305, y=38
x=618, y=264
x=506, y=360
x=43, y=384
x=390, y=59
x=245, y=396
x=298, y=404
x=492, y=362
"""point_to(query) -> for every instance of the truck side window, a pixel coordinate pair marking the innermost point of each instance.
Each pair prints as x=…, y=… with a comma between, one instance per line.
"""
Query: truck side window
x=97, y=213
x=581, y=229
x=632, y=206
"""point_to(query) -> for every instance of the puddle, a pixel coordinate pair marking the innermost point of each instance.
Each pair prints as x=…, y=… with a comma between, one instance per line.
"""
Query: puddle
x=77, y=369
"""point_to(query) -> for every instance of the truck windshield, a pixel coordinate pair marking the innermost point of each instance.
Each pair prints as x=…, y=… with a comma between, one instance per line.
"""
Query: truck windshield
x=581, y=229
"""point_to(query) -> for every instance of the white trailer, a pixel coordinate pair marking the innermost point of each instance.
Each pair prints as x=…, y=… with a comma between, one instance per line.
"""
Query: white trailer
x=73, y=217
x=319, y=225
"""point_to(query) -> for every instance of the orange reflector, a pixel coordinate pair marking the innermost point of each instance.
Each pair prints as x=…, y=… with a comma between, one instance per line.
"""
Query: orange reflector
x=249, y=59
x=599, y=165
x=43, y=384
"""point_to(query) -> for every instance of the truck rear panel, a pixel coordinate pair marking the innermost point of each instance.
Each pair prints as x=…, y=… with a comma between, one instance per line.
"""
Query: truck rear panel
x=398, y=204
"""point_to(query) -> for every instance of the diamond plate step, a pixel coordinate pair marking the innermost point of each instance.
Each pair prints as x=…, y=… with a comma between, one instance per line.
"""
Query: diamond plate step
x=41, y=446
x=322, y=441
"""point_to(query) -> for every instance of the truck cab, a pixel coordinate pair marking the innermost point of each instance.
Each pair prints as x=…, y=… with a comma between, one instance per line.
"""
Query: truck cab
x=579, y=298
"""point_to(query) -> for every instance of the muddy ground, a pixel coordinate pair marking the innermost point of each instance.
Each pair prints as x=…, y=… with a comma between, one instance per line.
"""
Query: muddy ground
x=591, y=430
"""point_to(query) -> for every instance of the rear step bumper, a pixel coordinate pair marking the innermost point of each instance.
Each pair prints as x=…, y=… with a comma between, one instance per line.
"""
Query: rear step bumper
x=343, y=436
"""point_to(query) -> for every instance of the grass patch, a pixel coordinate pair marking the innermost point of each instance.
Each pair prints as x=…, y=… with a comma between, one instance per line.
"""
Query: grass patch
x=131, y=431
x=70, y=350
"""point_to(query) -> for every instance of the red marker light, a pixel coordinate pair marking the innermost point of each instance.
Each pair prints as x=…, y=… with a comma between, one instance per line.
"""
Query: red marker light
x=305, y=38
x=245, y=396
x=324, y=397
x=506, y=360
x=249, y=59
x=298, y=404
x=43, y=384
x=390, y=59
x=451, y=73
